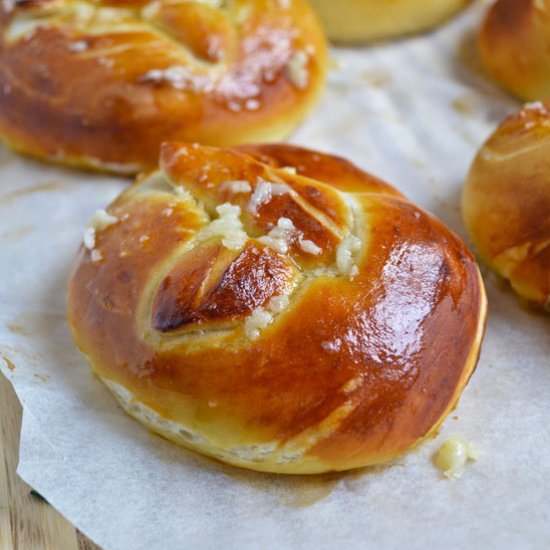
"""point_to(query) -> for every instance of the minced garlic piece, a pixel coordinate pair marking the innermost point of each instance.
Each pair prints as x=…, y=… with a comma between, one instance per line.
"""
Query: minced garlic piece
x=259, y=319
x=236, y=186
x=96, y=256
x=279, y=237
x=99, y=221
x=345, y=253
x=78, y=46
x=182, y=193
x=289, y=169
x=297, y=69
x=310, y=247
x=534, y=106
x=228, y=226
x=89, y=238
x=278, y=303
x=263, y=317
x=452, y=456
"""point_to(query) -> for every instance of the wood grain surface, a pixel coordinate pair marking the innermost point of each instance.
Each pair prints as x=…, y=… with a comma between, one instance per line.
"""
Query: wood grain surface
x=26, y=521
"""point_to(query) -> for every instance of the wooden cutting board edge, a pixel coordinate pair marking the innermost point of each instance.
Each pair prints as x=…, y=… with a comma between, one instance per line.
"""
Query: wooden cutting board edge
x=27, y=521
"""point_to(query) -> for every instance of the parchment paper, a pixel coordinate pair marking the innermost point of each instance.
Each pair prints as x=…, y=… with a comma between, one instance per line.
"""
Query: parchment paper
x=414, y=113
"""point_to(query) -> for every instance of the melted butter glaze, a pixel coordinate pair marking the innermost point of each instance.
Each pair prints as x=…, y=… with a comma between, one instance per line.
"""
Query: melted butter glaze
x=353, y=372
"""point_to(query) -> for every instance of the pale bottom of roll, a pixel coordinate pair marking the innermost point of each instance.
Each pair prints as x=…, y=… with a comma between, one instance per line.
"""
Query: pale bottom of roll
x=265, y=457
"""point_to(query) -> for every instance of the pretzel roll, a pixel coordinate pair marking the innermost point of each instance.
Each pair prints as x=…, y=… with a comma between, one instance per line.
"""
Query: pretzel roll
x=506, y=202
x=514, y=44
x=360, y=21
x=277, y=309
x=101, y=84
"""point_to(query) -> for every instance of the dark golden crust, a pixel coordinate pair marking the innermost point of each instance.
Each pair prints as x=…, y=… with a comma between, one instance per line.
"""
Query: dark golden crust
x=199, y=291
x=336, y=171
x=355, y=370
x=514, y=44
x=507, y=200
x=86, y=89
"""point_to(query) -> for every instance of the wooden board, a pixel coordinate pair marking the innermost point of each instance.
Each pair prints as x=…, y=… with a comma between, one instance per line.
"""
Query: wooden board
x=26, y=521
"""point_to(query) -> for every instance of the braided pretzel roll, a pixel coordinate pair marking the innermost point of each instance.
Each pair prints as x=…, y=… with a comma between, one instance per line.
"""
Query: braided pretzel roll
x=514, y=44
x=360, y=21
x=284, y=322
x=102, y=83
x=506, y=202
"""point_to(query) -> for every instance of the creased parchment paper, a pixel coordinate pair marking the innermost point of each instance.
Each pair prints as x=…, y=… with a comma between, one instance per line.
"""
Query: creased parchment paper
x=414, y=113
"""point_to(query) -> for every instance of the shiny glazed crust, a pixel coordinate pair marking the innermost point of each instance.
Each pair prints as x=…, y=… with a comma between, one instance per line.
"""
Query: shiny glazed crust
x=506, y=202
x=331, y=325
x=360, y=21
x=103, y=84
x=514, y=44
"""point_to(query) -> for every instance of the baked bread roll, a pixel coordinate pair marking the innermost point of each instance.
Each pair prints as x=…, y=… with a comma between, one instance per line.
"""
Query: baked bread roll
x=506, y=202
x=361, y=21
x=103, y=84
x=514, y=45
x=284, y=322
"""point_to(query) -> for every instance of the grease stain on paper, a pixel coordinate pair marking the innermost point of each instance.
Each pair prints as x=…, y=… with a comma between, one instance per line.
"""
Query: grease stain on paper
x=465, y=105
x=377, y=78
x=304, y=491
x=10, y=365
x=291, y=491
x=17, y=233
x=16, y=328
x=48, y=186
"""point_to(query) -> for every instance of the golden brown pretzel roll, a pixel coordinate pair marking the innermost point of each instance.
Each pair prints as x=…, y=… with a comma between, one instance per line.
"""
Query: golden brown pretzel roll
x=102, y=84
x=360, y=21
x=506, y=202
x=514, y=45
x=277, y=321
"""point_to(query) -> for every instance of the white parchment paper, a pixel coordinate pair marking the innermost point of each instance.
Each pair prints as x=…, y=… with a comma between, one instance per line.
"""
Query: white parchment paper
x=414, y=113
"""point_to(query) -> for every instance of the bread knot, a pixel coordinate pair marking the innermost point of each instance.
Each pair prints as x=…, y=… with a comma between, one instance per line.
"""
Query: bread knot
x=102, y=84
x=507, y=199
x=277, y=308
